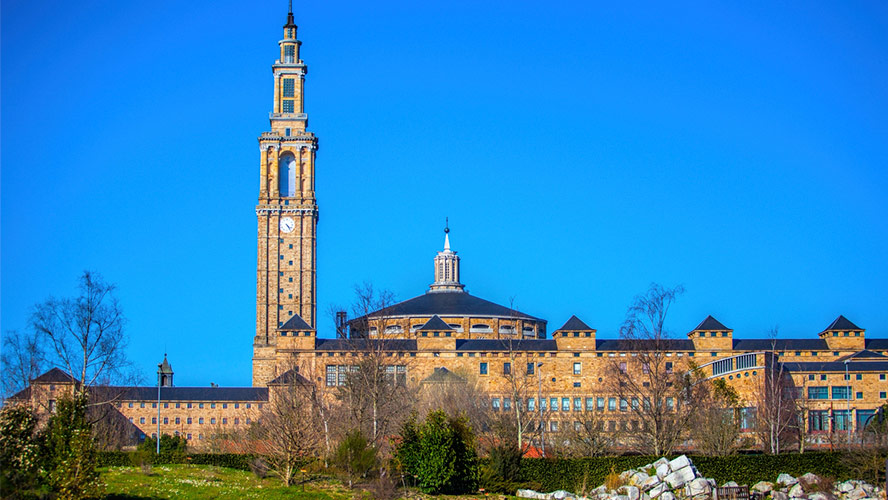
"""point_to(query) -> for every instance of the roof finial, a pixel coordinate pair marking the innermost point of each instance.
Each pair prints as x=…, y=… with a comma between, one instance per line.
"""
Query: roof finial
x=290, y=22
x=446, y=234
x=290, y=10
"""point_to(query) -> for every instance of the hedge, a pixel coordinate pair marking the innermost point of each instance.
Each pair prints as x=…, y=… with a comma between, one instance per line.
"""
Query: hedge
x=126, y=458
x=572, y=474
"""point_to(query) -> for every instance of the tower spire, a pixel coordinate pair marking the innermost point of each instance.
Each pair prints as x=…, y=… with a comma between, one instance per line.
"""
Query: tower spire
x=446, y=266
x=446, y=234
x=290, y=22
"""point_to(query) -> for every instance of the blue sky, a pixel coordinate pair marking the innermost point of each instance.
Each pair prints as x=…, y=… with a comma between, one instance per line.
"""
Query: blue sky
x=581, y=150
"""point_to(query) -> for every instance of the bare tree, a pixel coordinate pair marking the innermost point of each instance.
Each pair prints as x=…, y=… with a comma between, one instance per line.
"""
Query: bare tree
x=655, y=394
x=716, y=421
x=85, y=333
x=584, y=437
x=775, y=399
x=285, y=433
x=374, y=388
x=23, y=359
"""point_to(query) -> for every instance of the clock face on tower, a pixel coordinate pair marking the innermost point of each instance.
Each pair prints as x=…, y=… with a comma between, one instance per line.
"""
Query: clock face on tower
x=287, y=224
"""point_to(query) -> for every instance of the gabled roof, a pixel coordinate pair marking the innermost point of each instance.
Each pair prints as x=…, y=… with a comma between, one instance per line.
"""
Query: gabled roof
x=710, y=323
x=447, y=303
x=290, y=377
x=876, y=344
x=436, y=324
x=296, y=323
x=54, y=376
x=842, y=323
x=864, y=355
x=22, y=395
x=442, y=375
x=575, y=324
x=165, y=366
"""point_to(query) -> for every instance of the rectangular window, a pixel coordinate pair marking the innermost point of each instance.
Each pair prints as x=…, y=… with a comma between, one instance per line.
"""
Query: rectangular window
x=166, y=420
x=553, y=426
x=590, y=404
x=531, y=404
x=188, y=421
x=287, y=106
x=236, y=406
x=841, y=420
x=482, y=368
x=177, y=405
x=154, y=405
x=507, y=368
x=130, y=405
x=224, y=421
x=213, y=405
x=289, y=54
x=818, y=420
x=495, y=404
x=864, y=417
x=823, y=376
x=565, y=404
x=599, y=404
x=200, y=421
x=200, y=405
x=178, y=421
x=289, y=87
x=883, y=395
x=841, y=392
x=669, y=367
x=858, y=376
x=507, y=404
x=578, y=404
x=623, y=367
x=236, y=420
x=542, y=404
x=141, y=405
x=153, y=420
x=189, y=437
x=612, y=404
x=142, y=420
x=553, y=404
x=747, y=418
x=859, y=395
x=578, y=367
x=670, y=403
x=624, y=405
x=530, y=368
x=818, y=392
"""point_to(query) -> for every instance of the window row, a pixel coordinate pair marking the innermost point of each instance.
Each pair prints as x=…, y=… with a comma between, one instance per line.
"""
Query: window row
x=189, y=420
x=337, y=375
x=566, y=404
x=189, y=405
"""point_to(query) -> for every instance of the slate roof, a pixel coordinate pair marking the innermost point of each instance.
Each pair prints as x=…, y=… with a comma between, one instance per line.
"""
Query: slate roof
x=290, y=376
x=836, y=366
x=876, y=344
x=448, y=303
x=364, y=344
x=442, y=376
x=638, y=345
x=259, y=394
x=575, y=324
x=864, y=355
x=296, y=323
x=165, y=366
x=54, y=376
x=842, y=323
x=780, y=345
x=505, y=344
x=711, y=323
x=22, y=395
x=436, y=324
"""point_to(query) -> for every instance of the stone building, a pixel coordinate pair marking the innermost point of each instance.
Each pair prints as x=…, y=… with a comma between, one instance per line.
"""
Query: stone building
x=448, y=334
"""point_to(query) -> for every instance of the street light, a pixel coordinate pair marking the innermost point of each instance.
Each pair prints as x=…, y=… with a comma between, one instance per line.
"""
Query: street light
x=540, y=407
x=848, y=415
x=159, y=383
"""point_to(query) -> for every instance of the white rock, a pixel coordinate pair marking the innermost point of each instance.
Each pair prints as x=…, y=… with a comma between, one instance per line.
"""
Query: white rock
x=649, y=483
x=868, y=488
x=658, y=490
x=856, y=494
x=730, y=484
x=662, y=468
x=796, y=491
x=779, y=495
x=600, y=490
x=786, y=479
x=532, y=494
x=680, y=463
x=630, y=491
x=763, y=486
x=819, y=496
x=638, y=478
x=645, y=496
x=699, y=486
x=679, y=477
x=667, y=495
x=810, y=478
x=562, y=495
x=845, y=486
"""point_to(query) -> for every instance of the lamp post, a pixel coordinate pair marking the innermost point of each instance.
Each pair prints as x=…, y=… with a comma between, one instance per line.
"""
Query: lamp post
x=540, y=407
x=848, y=415
x=159, y=380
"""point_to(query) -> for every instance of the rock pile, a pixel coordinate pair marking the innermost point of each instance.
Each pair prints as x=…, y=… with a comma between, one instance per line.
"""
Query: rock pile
x=679, y=479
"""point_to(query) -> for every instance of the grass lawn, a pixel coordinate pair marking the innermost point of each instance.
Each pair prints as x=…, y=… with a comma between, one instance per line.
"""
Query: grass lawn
x=205, y=482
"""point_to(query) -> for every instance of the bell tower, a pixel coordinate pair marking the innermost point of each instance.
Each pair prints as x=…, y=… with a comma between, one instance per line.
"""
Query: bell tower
x=287, y=211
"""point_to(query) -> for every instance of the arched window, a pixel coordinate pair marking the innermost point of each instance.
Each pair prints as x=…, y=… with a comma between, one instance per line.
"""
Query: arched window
x=287, y=174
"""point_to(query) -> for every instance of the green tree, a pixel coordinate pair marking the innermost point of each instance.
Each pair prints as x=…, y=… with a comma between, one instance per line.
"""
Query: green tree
x=19, y=450
x=440, y=454
x=70, y=451
x=355, y=455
